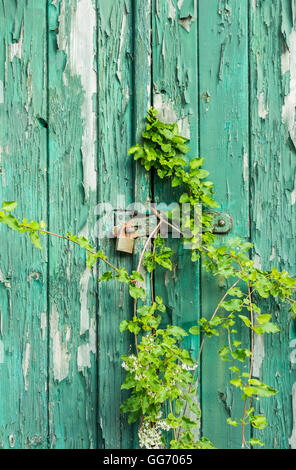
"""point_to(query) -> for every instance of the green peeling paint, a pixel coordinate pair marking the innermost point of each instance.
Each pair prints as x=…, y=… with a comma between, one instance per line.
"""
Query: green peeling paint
x=76, y=80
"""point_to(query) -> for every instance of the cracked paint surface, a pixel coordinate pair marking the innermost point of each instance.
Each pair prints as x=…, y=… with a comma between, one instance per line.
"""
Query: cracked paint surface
x=72, y=101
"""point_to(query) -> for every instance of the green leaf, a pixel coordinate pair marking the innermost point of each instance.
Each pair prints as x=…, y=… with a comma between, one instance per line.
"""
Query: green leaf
x=194, y=330
x=188, y=423
x=246, y=320
x=175, y=330
x=107, y=276
x=123, y=326
x=137, y=292
x=179, y=405
x=196, y=163
x=241, y=354
x=258, y=422
x=259, y=388
x=9, y=206
x=137, y=276
x=236, y=382
x=35, y=240
x=268, y=327
x=263, y=318
x=232, y=422
x=256, y=442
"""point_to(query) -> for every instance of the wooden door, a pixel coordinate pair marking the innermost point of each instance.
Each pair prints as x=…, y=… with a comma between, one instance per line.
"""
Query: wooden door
x=76, y=80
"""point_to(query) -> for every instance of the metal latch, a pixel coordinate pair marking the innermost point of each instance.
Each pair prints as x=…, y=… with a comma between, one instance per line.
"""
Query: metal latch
x=129, y=227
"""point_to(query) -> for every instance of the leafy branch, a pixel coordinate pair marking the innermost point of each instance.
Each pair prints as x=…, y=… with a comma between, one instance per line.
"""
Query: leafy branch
x=161, y=374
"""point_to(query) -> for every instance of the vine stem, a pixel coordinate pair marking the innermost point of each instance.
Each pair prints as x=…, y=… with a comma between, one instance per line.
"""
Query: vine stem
x=76, y=243
x=202, y=345
x=138, y=270
x=251, y=367
x=146, y=245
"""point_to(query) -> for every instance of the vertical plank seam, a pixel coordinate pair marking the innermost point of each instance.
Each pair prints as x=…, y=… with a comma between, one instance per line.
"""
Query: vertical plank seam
x=199, y=150
x=97, y=435
x=48, y=221
x=250, y=212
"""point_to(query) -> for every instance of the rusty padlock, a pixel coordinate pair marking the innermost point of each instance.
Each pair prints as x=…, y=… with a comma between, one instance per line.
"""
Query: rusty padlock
x=125, y=239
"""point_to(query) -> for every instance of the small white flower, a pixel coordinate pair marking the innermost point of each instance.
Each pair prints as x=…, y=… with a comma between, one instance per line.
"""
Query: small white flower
x=150, y=436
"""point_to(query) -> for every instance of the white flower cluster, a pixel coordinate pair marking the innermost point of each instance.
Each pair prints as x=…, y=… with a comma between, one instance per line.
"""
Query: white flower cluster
x=149, y=436
x=133, y=363
x=186, y=367
x=163, y=425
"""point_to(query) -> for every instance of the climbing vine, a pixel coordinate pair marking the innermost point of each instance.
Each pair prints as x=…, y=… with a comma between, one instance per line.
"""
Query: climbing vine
x=161, y=375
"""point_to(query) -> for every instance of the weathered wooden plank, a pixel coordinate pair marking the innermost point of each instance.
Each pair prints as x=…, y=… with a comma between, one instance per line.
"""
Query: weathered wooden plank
x=142, y=81
x=72, y=199
x=115, y=69
x=273, y=101
x=23, y=271
x=223, y=64
x=175, y=89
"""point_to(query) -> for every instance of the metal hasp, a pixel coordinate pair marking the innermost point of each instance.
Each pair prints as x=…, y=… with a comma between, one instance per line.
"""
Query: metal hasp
x=128, y=228
x=222, y=223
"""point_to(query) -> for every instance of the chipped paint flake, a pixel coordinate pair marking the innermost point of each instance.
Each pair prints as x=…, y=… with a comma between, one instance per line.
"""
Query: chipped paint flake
x=92, y=336
x=172, y=10
x=16, y=48
x=25, y=364
x=3, y=280
x=43, y=325
x=285, y=61
x=184, y=127
x=292, y=439
x=262, y=109
x=11, y=439
x=288, y=109
x=165, y=110
x=1, y=92
x=254, y=5
x=1, y=352
x=293, y=192
x=61, y=357
x=259, y=354
x=186, y=22
x=122, y=37
x=82, y=59
x=83, y=357
x=84, y=313
x=246, y=167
